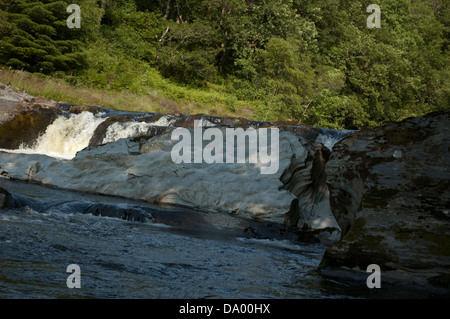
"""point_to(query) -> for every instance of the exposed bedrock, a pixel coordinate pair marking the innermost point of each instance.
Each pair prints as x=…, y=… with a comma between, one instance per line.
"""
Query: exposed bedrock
x=143, y=169
x=129, y=154
x=23, y=117
x=389, y=192
x=380, y=196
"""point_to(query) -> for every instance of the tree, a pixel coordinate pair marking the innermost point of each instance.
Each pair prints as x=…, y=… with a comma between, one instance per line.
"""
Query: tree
x=287, y=79
x=34, y=37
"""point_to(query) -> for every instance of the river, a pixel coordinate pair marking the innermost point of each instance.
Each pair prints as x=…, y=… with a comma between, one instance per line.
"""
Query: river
x=132, y=259
x=151, y=251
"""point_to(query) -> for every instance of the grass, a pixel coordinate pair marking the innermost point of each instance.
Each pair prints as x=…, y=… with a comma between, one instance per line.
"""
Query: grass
x=166, y=97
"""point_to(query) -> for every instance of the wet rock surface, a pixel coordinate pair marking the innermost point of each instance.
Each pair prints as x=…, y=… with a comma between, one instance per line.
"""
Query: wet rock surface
x=26, y=127
x=390, y=193
x=23, y=117
x=142, y=169
x=196, y=222
x=131, y=152
x=383, y=194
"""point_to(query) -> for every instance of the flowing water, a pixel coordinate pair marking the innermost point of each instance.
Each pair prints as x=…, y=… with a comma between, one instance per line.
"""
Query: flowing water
x=172, y=256
x=71, y=133
x=131, y=259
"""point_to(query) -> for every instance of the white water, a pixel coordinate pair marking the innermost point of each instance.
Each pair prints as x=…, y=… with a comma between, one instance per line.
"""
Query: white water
x=330, y=137
x=68, y=135
x=65, y=136
x=118, y=130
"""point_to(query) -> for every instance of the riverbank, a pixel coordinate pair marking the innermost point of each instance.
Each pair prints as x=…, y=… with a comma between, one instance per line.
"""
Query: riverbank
x=376, y=196
x=168, y=98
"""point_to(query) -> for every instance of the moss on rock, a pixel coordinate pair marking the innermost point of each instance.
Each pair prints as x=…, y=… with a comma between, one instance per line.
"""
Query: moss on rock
x=358, y=248
x=379, y=198
x=25, y=128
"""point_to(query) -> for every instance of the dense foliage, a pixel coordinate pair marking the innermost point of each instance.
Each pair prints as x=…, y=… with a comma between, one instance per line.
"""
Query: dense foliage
x=312, y=61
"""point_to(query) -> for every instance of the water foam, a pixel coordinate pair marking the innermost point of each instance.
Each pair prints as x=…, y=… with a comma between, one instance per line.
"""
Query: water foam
x=118, y=130
x=68, y=135
x=329, y=137
x=65, y=136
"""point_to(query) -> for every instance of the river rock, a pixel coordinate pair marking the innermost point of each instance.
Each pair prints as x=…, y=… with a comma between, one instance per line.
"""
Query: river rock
x=116, y=127
x=13, y=94
x=26, y=127
x=143, y=169
x=389, y=192
x=10, y=201
x=23, y=118
x=14, y=101
x=3, y=197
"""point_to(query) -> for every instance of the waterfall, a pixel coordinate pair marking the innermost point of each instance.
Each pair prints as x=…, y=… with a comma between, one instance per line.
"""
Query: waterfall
x=132, y=129
x=124, y=130
x=329, y=137
x=65, y=136
x=69, y=134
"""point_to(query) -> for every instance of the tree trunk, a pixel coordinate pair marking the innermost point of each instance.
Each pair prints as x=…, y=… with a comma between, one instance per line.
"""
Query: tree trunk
x=166, y=15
